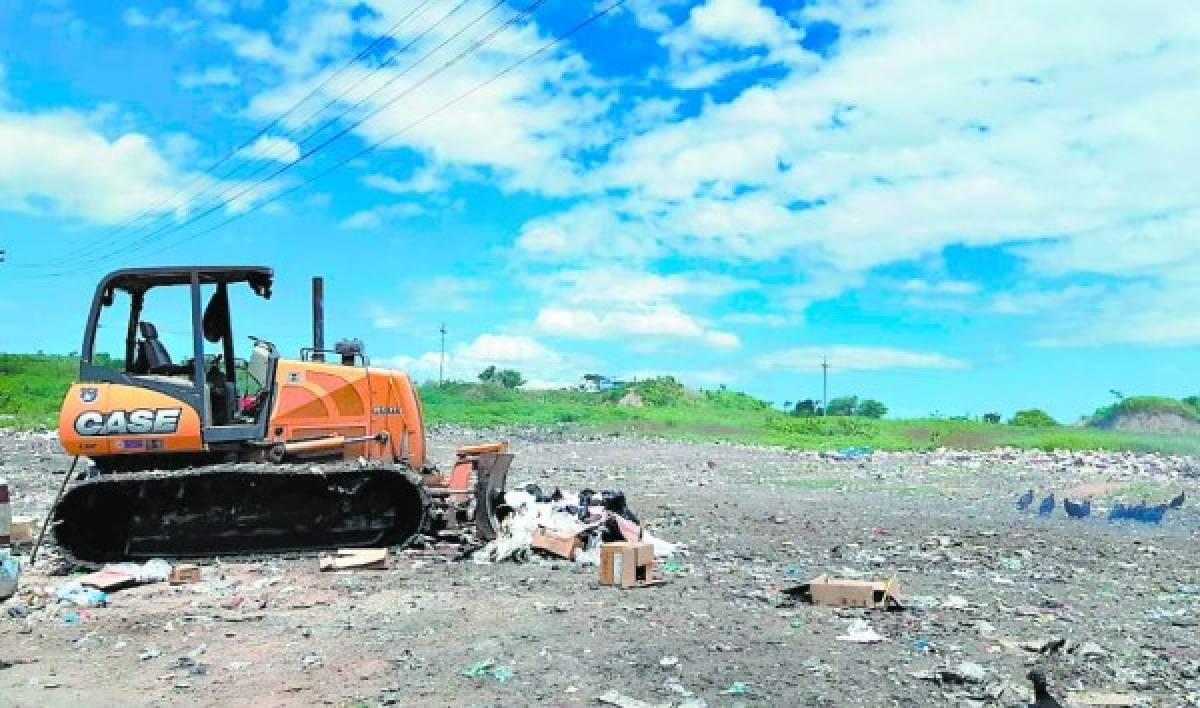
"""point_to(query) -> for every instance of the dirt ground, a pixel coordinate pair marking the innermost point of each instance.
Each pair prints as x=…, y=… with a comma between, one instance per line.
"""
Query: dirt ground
x=985, y=587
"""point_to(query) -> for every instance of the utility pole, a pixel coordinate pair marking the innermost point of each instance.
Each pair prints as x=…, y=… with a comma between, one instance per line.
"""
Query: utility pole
x=442, y=359
x=824, y=385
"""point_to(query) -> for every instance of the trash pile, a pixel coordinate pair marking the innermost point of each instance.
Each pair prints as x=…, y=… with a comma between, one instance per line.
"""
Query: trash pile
x=569, y=526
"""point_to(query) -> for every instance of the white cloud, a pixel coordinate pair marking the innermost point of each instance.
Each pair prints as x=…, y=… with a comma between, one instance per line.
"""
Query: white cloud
x=380, y=216
x=219, y=8
x=421, y=181
x=525, y=128
x=169, y=18
x=271, y=147
x=920, y=286
x=716, y=26
x=386, y=318
x=935, y=124
x=662, y=321
x=59, y=163
x=542, y=366
x=852, y=358
x=211, y=76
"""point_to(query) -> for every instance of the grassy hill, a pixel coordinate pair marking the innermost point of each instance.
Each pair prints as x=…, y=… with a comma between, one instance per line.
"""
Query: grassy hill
x=32, y=387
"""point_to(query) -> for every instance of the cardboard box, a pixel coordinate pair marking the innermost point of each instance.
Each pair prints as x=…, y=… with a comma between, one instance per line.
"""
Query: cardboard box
x=559, y=543
x=355, y=558
x=184, y=573
x=23, y=529
x=627, y=564
x=844, y=592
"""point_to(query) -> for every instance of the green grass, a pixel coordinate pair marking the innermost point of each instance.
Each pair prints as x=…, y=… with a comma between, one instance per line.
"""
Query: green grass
x=32, y=388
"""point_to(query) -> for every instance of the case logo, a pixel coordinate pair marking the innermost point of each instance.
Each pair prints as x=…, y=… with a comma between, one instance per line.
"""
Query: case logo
x=142, y=421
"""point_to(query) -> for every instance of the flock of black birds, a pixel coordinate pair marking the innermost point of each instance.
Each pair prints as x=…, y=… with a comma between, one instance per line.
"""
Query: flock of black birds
x=1119, y=512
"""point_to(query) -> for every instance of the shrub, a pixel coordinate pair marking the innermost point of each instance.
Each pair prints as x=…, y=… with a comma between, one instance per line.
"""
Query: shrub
x=870, y=408
x=992, y=418
x=1033, y=418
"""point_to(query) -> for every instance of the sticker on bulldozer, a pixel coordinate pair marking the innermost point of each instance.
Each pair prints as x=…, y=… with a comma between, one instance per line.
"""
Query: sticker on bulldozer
x=142, y=421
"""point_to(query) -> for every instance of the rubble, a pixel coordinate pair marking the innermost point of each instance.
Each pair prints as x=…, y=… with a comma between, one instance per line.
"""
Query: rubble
x=1107, y=611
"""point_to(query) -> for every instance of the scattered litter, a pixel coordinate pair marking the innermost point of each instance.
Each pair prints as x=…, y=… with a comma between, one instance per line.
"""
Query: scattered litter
x=79, y=596
x=488, y=669
x=556, y=543
x=620, y=700
x=355, y=559
x=860, y=632
x=22, y=529
x=10, y=571
x=184, y=573
x=627, y=565
x=1097, y=698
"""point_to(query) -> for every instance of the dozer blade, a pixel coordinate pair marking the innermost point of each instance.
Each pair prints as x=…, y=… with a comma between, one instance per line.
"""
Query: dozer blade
x=492, y=471
x=238, y=509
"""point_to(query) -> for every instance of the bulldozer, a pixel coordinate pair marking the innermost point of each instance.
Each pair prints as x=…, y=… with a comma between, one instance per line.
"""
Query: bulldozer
x=201, y=453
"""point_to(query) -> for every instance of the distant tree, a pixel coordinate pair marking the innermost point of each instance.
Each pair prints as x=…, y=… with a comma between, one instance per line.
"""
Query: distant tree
x=992, y=418
x=787, y=406
x=806, y=408
x=1193, y=401
x=1117, y=394
x=1033, y=418
x=843, y=405
x=488, y=375
x=870, y=408
x=510, y=378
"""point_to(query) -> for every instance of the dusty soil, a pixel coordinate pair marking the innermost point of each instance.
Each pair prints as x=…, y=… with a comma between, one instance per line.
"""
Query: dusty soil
x=1163, y=423
x=978, y=577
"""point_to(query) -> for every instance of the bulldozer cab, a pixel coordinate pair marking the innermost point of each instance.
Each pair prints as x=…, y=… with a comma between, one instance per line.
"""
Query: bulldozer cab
x=200, y=369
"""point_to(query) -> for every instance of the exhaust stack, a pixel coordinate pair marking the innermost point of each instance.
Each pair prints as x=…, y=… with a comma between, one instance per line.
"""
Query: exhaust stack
x=318, y=305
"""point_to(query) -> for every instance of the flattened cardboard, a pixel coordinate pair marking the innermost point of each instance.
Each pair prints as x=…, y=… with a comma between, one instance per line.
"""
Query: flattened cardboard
x=108, y=580
x=559, y=543
x=184, y=573
x=355, y=559
x=845, y=592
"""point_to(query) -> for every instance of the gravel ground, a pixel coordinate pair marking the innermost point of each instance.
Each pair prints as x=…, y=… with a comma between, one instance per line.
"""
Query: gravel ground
x=985, y=587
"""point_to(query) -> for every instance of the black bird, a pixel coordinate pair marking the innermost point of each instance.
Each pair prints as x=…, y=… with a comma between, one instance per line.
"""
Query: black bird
x=1078, y=511
x=1046, y=506
x=1025, y=501
x=1041, y=697
x=1177, y=502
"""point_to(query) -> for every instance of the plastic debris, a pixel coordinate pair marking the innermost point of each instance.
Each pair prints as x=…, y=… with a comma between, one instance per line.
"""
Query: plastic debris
x=488, y=669
x=860, y=632
x=80, y=596
x=10, y=571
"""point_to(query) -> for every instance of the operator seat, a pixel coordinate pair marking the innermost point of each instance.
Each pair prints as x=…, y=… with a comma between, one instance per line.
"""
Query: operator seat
x=152, y=356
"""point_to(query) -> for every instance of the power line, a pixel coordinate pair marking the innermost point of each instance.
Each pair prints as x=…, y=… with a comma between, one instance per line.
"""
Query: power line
x=226, y=198
x=379, y=143
x=92, y=246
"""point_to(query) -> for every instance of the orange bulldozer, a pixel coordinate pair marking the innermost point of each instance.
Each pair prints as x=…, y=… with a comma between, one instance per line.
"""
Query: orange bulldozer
x=219, y=455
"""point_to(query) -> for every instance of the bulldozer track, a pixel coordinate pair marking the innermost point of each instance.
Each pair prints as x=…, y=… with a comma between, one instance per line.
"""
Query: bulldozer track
x=239, y=510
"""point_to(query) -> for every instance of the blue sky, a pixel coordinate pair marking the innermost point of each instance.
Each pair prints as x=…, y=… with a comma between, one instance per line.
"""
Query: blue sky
x=966, y=206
